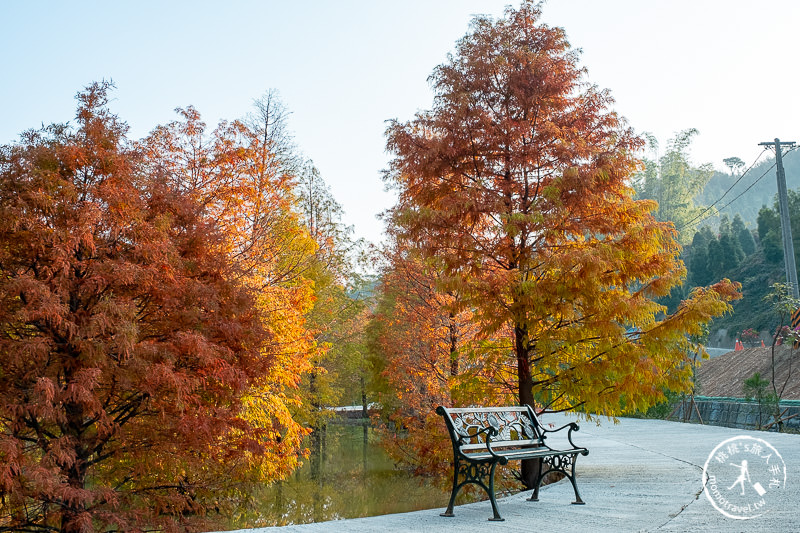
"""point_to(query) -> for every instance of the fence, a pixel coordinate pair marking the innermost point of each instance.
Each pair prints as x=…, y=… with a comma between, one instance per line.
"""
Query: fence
x=736, y=412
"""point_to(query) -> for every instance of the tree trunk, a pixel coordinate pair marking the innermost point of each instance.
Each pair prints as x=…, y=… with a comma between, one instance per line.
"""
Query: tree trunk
x=453, y=345
x=71, y=517
x=365, y=423
x=529, y=468
x=75, y=471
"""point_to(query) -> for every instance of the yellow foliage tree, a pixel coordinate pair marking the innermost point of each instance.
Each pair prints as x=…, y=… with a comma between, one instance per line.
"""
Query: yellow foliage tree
x=239, y=175
x=516, y=182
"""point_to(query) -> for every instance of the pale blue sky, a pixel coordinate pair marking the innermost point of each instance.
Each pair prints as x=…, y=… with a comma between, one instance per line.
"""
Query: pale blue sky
x=725, y=67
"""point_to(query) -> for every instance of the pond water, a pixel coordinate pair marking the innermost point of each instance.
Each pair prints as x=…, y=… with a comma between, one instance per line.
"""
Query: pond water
x=355, y=478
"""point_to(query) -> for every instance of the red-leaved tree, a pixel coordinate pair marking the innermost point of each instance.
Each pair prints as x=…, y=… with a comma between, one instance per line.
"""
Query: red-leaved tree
x=418, y=338
x=126, y=344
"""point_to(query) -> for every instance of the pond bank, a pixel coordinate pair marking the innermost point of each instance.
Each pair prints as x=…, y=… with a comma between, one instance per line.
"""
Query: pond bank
x=640, y=475
x=349, y=476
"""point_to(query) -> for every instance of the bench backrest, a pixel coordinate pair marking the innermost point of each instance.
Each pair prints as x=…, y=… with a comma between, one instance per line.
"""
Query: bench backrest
x=516, y=426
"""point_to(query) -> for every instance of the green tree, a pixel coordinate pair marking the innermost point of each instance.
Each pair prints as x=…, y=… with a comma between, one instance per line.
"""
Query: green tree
x=673, y=182
x=729, y=241
x=755, y=388
x=733, y=163
x=762, y=192
x=743, y=235
x=769, y=228
x=703, y=237
x=731, y=254
x=715, y=265
x=698, y=264
x=769, y=234
x=724, y=227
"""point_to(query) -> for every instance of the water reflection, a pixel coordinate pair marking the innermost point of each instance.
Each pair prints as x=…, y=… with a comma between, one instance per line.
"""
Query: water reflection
x=351, y=477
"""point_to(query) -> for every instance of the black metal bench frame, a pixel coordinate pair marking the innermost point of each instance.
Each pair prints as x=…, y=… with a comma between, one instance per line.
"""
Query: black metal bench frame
x=484, y=437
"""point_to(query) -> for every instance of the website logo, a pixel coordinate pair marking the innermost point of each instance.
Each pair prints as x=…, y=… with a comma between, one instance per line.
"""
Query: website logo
x=743, y=477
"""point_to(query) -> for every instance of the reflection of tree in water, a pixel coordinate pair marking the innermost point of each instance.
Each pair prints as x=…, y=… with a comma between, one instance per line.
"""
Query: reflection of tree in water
x=316, y=463
x=348, y=476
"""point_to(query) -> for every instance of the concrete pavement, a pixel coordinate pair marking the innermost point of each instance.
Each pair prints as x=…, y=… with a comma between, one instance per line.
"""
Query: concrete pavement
x=640, y=475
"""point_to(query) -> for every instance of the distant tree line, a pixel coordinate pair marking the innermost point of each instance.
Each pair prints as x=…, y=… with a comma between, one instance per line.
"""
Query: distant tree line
x=715, y=254
x=757, y=195
x=741, y=241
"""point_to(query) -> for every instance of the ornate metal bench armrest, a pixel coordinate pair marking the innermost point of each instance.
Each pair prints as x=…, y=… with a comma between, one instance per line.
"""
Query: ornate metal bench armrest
x=493, y=433
x=572, y=427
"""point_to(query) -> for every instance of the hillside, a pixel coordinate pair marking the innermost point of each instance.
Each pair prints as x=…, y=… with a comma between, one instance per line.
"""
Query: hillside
x=724, y=375
x=747, y=197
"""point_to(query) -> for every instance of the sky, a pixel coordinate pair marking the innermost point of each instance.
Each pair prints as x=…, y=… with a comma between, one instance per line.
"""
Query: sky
x=725, y=67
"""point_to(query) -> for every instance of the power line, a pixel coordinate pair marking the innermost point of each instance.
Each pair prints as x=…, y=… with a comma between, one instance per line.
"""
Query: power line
x=740, y=194
x=693, y=223
x=710, y=207
x=690, y=224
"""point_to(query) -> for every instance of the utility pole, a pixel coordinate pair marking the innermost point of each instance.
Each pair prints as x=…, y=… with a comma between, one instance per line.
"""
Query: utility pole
x=786, y=228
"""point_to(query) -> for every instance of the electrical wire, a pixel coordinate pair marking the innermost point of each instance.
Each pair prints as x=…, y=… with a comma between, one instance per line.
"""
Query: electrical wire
x=693, y=223
x=701, y=216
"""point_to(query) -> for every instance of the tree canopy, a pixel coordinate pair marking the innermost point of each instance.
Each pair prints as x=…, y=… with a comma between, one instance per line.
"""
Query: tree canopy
x=515, y=187
x=152, y=327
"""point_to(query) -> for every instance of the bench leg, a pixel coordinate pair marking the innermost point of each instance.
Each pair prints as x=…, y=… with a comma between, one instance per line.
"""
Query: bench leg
x=558, y=463
x=456, y=488
x=473, y=473
x=495, y=512
x=535, y=496
x=571, y=476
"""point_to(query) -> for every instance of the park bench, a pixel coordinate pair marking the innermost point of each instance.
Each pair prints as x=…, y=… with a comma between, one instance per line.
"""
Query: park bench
x=484, y=437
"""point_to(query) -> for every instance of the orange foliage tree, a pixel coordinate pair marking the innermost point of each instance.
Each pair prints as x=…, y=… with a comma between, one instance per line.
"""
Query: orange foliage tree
x=516, y=185
x=242, y=176
x=417, y=340
x=139, y=320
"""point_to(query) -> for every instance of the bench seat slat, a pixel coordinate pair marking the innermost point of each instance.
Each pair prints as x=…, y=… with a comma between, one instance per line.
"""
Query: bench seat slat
x=461, y=410
x=500, y=444
x=515, y=455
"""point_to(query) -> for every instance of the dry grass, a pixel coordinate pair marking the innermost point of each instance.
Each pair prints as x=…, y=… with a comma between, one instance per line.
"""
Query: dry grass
x=725, y=375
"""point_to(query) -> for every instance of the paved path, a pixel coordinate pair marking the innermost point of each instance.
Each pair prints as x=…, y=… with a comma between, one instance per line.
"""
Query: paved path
x=640, y=475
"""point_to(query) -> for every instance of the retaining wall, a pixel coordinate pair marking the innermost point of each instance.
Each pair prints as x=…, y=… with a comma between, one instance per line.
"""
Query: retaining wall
x=736, y=413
